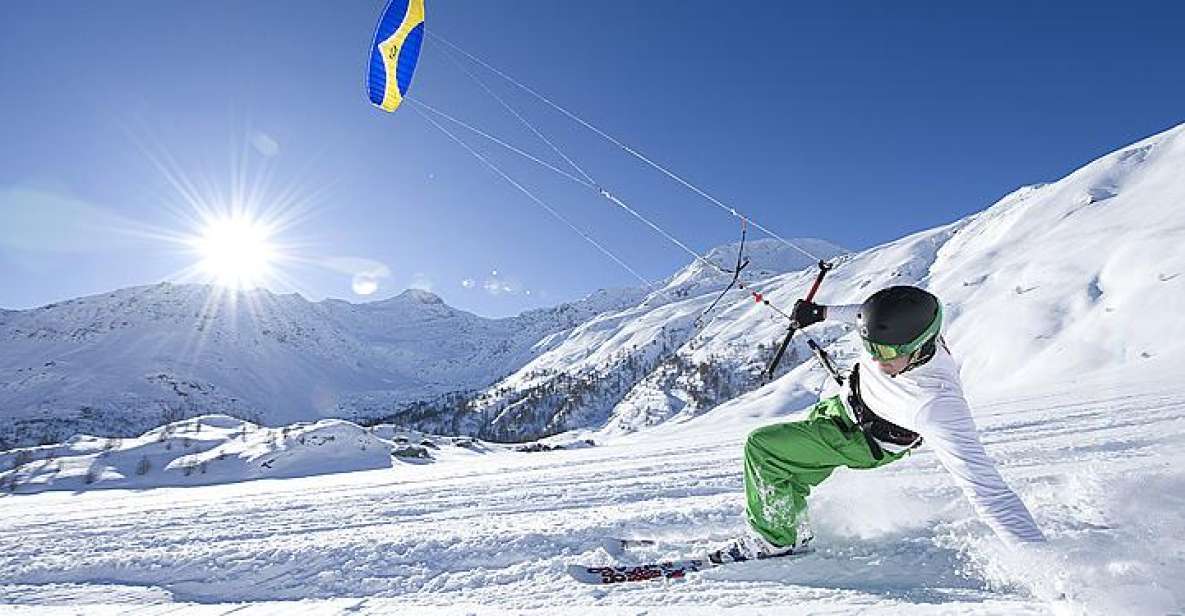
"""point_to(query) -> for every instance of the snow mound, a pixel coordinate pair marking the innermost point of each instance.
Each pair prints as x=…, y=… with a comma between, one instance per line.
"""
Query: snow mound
x=218, y=449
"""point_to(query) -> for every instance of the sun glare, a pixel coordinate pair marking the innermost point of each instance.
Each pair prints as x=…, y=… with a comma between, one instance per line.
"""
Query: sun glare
x=236, y=252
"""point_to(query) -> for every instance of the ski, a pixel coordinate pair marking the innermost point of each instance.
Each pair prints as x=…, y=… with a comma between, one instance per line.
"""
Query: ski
x=669, y=570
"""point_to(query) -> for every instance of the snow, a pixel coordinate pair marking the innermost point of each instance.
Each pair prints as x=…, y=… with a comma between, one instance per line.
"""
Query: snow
x=1097, y=461
x=1064, y=303
x=219, y=449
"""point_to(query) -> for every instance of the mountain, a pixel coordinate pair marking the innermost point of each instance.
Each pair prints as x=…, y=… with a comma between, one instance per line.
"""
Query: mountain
x=588, y=370
x=766, y=257
x=121, y=363
x=1078, y=277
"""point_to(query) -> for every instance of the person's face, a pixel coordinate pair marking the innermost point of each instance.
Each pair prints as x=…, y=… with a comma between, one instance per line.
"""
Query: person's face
x=895, y=366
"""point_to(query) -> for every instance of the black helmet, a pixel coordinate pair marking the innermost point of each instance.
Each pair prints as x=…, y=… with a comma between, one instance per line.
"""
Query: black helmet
x=898, y=320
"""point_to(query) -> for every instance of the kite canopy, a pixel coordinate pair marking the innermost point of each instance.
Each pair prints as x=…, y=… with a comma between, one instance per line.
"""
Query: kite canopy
x=394, y=52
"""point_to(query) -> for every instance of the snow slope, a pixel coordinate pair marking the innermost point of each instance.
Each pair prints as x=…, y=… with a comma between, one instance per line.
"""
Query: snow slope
x=1097, y=461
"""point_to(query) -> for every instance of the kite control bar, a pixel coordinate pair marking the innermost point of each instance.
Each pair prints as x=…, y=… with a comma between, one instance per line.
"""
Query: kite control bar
x=824, y=267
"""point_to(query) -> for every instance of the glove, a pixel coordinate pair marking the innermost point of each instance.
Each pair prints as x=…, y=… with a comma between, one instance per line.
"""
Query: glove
x=808, y=313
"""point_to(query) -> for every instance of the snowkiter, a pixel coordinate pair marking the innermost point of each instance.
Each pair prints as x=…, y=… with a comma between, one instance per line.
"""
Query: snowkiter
x=904, y=393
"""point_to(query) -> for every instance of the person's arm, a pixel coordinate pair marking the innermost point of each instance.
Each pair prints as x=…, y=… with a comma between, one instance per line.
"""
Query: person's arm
x=808, y=313
x=947, y=427
x=846, y=313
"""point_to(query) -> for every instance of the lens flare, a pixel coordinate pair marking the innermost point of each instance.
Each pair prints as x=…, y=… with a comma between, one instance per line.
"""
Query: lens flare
x=236, y=252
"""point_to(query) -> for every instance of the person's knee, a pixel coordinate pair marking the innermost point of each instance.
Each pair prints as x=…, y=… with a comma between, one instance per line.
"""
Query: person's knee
x=758, y=439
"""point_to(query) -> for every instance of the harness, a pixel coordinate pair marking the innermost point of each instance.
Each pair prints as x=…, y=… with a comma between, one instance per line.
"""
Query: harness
x=875, y=428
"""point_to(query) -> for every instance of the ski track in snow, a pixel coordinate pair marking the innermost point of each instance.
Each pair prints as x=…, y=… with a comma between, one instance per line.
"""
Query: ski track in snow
x=1097, y=464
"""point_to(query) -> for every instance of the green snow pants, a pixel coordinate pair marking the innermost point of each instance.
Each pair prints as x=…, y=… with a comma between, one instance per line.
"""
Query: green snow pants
x=784, y=461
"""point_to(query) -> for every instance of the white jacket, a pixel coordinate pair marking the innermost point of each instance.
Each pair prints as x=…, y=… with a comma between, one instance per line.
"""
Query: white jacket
x=928, y=399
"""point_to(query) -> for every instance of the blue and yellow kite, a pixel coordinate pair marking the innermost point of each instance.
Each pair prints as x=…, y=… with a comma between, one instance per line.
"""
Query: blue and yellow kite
x=394, y=52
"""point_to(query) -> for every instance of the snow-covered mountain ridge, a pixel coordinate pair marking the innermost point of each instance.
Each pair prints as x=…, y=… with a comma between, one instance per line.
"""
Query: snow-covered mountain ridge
x=1079, y=276
x=1083, y=275
x=120, y=363
x=123, y=362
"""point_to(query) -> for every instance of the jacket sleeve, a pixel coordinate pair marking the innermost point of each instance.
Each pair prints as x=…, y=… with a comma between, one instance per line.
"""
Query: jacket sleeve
x=948, y=428
x=845, y=313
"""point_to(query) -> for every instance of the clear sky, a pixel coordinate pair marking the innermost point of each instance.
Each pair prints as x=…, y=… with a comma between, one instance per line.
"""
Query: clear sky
x=857, y=122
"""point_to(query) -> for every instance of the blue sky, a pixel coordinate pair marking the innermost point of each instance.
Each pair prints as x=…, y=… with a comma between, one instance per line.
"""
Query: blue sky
x=857, y=122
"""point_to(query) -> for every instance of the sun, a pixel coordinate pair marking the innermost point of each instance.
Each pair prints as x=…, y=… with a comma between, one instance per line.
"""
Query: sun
x=236, y=251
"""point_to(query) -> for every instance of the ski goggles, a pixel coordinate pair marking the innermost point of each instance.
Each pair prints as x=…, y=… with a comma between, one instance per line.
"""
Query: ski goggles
x=889, y=352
